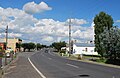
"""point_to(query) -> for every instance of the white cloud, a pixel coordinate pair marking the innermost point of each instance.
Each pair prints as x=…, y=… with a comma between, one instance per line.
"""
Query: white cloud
x=60, y=30
x=10, y=12
x=11, y=35
x=14, y=35
x=77, y=21
x=32, y=7
x=26, y=26
x=117, y=20
x=48, y=38
x=86, y=34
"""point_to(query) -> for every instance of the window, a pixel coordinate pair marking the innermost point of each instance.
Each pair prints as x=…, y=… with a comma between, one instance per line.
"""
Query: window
x=86, y=49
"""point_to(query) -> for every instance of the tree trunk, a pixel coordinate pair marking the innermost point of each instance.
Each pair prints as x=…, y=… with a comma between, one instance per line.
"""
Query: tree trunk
x=24, y=49
x=29, y=50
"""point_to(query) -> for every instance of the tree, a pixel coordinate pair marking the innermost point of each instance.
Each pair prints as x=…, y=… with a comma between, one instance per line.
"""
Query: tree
x=111, y=38
x=44, y=46
x=18, y=46
x=31, y=46
x=24, y=45
x=0, y=48
x=101, y=21
x=28, y=46
x=58, y=45
x=39, y=46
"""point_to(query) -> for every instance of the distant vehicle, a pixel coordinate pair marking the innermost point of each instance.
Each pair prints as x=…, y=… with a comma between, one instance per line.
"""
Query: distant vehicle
x=46, y=51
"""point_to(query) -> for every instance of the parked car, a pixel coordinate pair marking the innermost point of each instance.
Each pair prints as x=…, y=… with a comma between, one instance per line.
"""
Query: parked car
x=8, y=51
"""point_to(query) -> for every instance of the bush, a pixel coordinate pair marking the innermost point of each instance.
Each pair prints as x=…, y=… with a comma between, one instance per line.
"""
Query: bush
x=101, y=60
x=1, y=52
x=62, y=51
x=113, y=61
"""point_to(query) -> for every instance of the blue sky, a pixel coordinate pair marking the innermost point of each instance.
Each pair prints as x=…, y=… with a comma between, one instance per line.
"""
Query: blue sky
x=53, y=15
x=63, y=9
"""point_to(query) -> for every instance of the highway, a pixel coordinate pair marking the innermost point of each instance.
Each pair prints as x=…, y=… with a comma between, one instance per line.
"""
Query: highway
x=53, y=66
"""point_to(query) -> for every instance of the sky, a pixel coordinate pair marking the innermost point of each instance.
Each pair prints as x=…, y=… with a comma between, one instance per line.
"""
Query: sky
x=46, y=21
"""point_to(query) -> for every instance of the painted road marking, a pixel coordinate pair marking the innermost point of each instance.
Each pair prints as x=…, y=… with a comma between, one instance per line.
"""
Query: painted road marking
x=51, y=54
x=72, y=65
x=113, y=77
x=36, y=69
x=49, y=58
x=42, y=55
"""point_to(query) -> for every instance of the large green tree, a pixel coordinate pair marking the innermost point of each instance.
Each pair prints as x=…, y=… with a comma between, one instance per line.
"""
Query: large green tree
x=28, y=46
x=31, y=46
x=24, y=46
x=58, y=45
x=101, y=21
x=112, y=38
x=39, y=46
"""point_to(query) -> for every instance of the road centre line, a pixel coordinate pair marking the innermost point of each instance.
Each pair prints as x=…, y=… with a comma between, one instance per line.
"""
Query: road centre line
x=36, y=69
x=49, y=58
x=51, y=54
x=72, y=65
x=42, y=55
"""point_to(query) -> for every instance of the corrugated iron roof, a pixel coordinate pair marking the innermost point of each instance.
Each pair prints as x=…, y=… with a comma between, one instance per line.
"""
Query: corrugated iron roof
x=85, y=44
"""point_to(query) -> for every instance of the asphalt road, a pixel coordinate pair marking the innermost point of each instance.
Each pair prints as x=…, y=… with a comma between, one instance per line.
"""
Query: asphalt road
x=54, y=66
x=21, y=67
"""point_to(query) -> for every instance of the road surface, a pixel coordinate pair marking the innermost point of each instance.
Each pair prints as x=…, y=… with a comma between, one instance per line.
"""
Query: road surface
x=21, y=67
x=54, y=66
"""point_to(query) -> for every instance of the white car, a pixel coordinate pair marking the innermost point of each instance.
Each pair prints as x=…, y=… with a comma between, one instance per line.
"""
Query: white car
x=8, y=51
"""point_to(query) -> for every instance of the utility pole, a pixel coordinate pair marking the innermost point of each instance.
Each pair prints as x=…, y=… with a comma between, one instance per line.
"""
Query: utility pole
x=69, y=37
x=36, y=46
x=6, y=43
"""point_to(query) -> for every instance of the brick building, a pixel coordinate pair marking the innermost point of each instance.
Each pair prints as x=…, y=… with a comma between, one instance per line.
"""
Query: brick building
x=13, y=43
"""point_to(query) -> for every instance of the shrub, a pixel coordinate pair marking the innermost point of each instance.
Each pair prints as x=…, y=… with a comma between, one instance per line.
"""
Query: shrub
x=113, y=61
x=62, y=51
x=1, y=52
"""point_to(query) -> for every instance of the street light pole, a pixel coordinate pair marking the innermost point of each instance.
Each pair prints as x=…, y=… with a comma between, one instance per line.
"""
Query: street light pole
x=69, y=37
x=6, y=43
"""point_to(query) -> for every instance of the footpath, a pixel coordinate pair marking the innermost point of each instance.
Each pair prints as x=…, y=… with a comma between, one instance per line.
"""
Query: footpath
x=21, y=68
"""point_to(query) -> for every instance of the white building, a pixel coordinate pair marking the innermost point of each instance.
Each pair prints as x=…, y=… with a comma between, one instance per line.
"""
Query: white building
x=84, y=48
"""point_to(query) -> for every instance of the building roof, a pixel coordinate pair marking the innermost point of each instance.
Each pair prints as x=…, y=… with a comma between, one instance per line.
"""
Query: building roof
x=85, y=44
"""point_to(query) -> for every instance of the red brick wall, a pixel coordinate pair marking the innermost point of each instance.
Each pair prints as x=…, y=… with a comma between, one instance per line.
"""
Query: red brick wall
x=2, y=45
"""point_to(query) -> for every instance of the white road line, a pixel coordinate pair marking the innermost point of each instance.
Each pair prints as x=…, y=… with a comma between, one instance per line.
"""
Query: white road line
x=36, y=69
x=42, y=55
x=49, y=58
x=113, y=77
x=51, y=54
x=72, y=65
